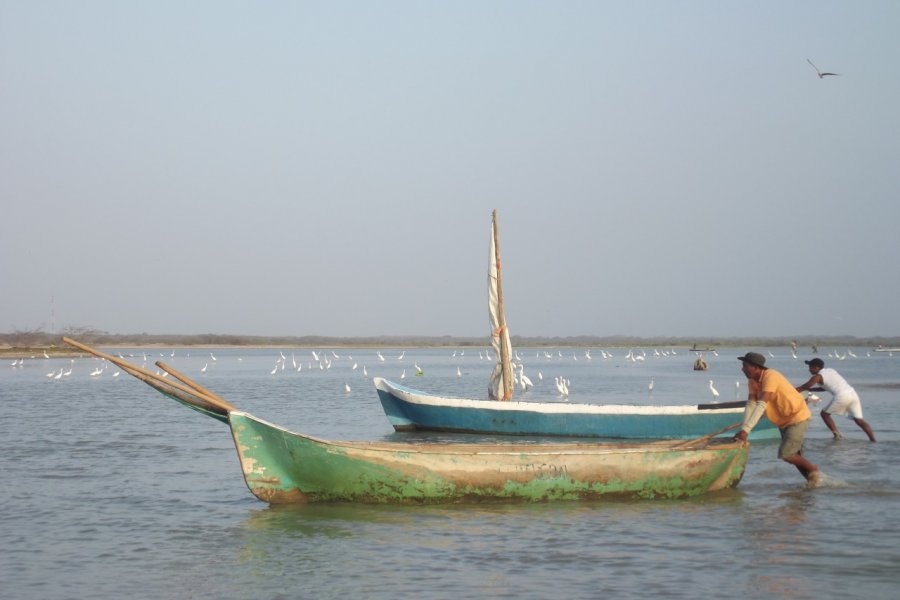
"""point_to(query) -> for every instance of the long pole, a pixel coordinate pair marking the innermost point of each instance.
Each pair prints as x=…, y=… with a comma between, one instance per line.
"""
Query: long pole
x=505, y=367
x=706, y=437
x=188, y=382
x=132, y=369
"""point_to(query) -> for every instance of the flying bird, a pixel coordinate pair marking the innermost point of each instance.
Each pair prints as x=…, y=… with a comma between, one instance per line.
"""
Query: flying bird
x=820, y=73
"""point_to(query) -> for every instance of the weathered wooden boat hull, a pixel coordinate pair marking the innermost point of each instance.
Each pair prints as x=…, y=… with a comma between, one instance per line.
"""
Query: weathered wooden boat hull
x=280, y=466
x=408, y=410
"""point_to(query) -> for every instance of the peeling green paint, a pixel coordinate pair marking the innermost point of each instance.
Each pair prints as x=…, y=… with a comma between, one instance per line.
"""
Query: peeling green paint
x=281, y=466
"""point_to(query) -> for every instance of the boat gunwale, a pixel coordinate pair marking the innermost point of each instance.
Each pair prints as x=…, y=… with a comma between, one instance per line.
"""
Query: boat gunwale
x=494, y=448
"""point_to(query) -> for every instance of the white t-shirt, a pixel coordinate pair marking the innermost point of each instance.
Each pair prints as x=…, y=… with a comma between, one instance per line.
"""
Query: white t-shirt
x=834, y=383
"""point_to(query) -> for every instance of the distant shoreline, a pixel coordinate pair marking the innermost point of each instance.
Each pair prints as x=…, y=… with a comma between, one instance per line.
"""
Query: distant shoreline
x=37, y=344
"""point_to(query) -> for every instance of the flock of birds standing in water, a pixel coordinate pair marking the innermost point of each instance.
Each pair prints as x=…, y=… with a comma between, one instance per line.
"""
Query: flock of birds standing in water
x=324, y=360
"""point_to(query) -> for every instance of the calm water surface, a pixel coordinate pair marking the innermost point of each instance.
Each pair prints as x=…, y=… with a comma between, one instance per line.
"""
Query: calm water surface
x=113, y=490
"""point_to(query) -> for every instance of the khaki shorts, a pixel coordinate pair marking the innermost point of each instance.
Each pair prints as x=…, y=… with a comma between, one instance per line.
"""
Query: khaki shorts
x=792, y=439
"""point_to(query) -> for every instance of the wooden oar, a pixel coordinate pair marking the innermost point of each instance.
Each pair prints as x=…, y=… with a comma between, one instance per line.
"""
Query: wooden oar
x=188, y=382
x=166, y=387
x=133, y=369
x=707, y=436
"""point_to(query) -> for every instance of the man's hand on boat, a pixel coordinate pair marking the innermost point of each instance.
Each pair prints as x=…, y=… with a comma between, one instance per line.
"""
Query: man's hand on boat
x=740, y=436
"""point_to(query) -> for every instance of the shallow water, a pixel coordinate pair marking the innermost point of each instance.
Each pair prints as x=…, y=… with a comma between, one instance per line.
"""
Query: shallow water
x=112, y=490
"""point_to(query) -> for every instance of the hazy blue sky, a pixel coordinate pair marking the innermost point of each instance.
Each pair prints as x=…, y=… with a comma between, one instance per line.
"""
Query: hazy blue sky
x=292, y=168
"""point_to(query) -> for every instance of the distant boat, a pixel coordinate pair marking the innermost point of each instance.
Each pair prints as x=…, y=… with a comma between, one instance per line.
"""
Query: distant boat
x=883, y=349
x=410, y=409
x=694, y=348
x=281, y=466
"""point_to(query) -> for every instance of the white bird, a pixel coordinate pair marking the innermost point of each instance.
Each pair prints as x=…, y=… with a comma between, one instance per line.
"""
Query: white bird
x=211, y=356
x=380, y=357
x=346, y=387
x=821, y=74
x=365, y=371
x=203, y=370
x=274, y=369
x=458, y=372
x=419, y=371
x=737, y=388
x=403, y=374
x=651, y=386
x=524, y=381
x=713, y=390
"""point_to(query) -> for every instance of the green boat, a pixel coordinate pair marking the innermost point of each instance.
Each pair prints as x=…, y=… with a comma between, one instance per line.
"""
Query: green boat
x=282, y=466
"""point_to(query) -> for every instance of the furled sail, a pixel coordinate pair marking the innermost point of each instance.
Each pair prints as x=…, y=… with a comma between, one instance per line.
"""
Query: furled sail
x=501, y=385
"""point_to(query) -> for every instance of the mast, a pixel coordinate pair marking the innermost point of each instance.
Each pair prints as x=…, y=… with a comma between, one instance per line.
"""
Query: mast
x=501, y=387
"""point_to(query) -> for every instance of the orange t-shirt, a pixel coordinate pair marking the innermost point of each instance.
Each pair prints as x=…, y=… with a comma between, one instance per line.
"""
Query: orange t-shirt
x=786, y=406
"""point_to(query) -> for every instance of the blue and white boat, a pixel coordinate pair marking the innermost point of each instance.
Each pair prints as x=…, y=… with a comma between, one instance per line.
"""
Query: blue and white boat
x=412, y=410
x=408, y=409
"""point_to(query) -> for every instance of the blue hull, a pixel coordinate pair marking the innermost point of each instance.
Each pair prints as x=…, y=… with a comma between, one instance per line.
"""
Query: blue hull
x=409, y=410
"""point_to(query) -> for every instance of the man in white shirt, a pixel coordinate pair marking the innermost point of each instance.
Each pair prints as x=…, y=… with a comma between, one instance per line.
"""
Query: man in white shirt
x=844, y=398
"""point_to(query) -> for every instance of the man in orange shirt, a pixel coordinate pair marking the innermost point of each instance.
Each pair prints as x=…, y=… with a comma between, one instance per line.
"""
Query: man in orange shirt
x=772, y=393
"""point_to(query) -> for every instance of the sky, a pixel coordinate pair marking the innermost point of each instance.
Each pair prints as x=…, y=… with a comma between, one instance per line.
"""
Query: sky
x=330, y=168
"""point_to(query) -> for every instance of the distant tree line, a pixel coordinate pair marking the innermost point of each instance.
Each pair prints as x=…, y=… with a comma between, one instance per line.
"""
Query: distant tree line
x=38, y=338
